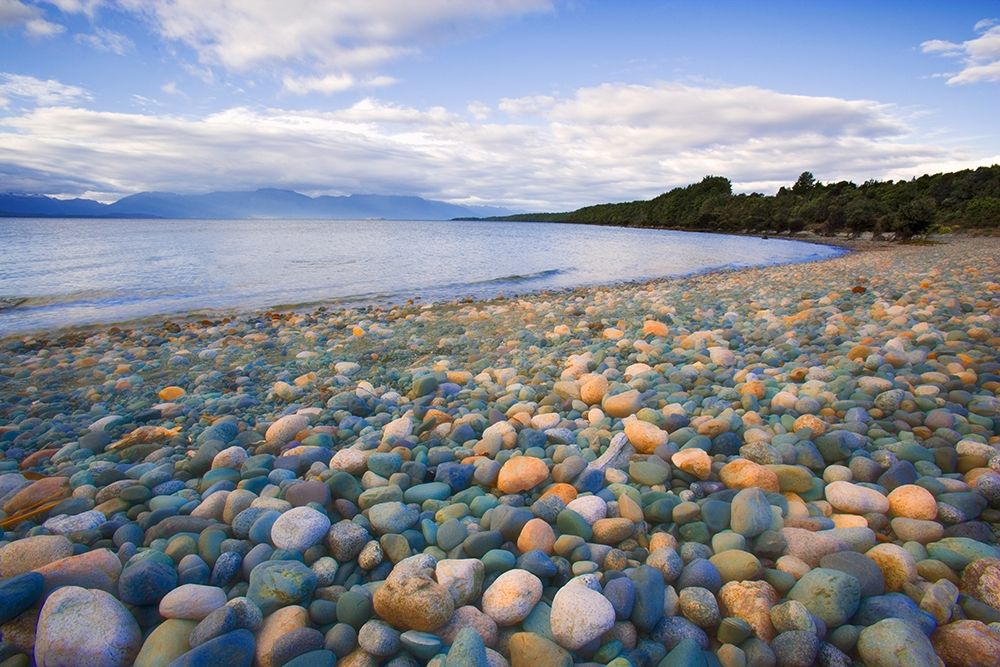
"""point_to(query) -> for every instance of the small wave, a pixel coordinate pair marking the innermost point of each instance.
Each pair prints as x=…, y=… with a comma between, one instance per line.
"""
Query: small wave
x=87, y=296
x=512, y=279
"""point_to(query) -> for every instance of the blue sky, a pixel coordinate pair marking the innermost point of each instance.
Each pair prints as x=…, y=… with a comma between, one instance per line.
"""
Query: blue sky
x=528, y=103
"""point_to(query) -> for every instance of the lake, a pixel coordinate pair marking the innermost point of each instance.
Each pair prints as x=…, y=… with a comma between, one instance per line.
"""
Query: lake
x=62, y=272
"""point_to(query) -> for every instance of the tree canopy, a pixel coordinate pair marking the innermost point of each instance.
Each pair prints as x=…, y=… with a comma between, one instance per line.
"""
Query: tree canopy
x=968, y=199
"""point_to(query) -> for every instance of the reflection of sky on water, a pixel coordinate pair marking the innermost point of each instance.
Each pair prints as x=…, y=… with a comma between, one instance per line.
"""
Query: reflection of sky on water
x=88, y=271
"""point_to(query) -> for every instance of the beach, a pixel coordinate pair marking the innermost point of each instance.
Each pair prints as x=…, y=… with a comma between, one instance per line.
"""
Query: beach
x=795, y=464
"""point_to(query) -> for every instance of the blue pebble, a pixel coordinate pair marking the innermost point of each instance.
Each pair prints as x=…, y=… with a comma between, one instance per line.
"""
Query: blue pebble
x=456, y=475
x=649, y=591
x=260, y=531
x=893, y=605
x=19, y=593
x=701, y=573
x=168, y=488
x=128, y=532
x=146, y=578
x=590, y=480
x=537, y=563
x=620, y=592
x=227, y=566
x=233, y=649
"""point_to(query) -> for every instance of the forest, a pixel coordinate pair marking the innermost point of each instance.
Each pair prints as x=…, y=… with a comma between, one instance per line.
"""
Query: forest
x=967, y=200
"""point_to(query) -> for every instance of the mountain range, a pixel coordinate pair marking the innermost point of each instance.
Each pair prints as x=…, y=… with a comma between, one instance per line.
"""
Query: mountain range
x=263, y=203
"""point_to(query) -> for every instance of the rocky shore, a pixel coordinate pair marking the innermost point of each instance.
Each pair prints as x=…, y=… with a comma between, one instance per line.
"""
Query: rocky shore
x=791, y=465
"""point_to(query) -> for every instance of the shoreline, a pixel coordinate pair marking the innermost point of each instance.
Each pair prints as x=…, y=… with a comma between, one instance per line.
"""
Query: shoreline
x=848, y=245
x=788, y=464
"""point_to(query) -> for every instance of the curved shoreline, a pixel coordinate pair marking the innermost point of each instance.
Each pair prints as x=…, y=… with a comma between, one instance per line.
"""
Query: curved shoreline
x=350, y=303
x=783, y=463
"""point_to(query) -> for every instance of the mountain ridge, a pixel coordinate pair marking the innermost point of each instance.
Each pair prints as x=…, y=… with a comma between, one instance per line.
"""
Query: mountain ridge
x=263, y=203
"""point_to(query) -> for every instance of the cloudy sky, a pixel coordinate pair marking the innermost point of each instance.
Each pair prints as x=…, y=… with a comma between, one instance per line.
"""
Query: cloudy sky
x=533, y=104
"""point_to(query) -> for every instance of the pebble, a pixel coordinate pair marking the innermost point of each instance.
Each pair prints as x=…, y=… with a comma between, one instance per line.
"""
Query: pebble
x=751, y=512
x=912, y=502
x=759, y=467
x=512, y=596
x=521, y=473
x=299, y=528
x=80, y=626
x=414, y=603
x=33, y=552
x=282, y=622
x=968, y=643
x=167, y=642
x=855, y=499
x=752, y=602
x=895, y=643
x=579, y=615
x=831, y=595
x=192, y=602
x=284, y=429
x=235, y=648
x=19, y=593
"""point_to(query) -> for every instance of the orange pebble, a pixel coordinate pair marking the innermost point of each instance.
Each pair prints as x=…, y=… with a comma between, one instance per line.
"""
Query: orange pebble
x=171, y=393
x=567, y=492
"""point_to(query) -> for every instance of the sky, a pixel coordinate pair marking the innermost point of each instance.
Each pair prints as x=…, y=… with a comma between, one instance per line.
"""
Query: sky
x=530, y=104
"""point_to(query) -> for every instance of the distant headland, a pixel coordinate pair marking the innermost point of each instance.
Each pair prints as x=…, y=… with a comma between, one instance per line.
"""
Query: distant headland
x=966, y=200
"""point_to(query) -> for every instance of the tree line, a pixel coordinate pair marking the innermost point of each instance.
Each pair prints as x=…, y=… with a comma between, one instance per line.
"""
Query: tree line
x=966, y=200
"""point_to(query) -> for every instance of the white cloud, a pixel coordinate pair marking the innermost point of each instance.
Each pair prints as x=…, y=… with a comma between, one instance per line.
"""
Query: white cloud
x=332, y=40
x=980, y=56
x=15, y=13
x=983, y=24
x=479, y=110
x=613, y=142
x=331, y=83
x=38, y=91
x=39, y=27
x=77, y=6
x=106, y=40
x=170, y=88
x=520, y=106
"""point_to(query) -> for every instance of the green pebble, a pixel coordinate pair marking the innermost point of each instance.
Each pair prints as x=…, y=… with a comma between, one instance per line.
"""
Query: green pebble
x=395, y=546
x=957, y=552
x=136, y=494
x=696, y=531
x=451, y=533
x=429, y=491
x=423, y=645
x=736, y=565
x=498, y=560
x=381, y=494
x=571, y=523
x=354, y=608
x=648, y=473
x=733, y=630
x=180, y=546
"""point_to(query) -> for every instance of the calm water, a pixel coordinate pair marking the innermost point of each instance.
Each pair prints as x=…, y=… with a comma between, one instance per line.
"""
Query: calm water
x=56, y=272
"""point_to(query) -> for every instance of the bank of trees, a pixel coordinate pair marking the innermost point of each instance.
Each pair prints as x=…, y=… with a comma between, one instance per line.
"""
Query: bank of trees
x=968, y=200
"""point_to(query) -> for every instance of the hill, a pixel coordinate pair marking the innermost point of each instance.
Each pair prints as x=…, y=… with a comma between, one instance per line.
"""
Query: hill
x=263, y=203
x=968, y=200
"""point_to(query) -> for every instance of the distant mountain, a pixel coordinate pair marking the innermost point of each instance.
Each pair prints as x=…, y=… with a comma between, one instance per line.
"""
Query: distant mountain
x=263, y=203
x=15, y=205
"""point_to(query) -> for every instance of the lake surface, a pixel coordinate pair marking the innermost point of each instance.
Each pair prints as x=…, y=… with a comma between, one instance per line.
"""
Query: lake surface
x=62, y=272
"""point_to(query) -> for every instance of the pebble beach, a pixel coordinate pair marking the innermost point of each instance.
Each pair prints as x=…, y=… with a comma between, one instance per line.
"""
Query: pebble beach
x=792, y=465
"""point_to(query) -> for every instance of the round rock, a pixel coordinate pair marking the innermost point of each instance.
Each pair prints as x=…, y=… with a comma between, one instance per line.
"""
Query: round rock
x=580, y=615
x=78, y=626
x=299, y=528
